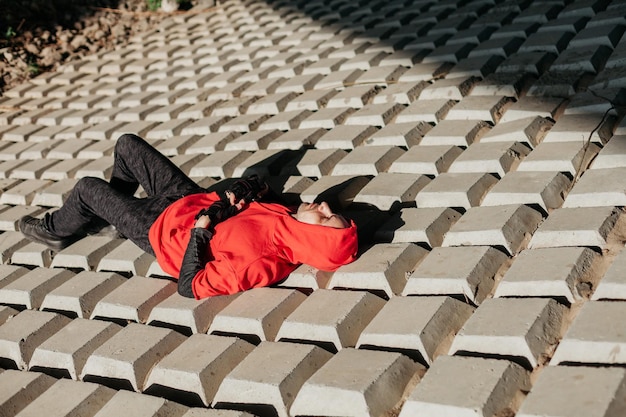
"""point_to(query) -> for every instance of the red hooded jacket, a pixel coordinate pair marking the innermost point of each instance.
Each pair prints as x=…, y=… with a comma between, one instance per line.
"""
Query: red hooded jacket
x=258, y=247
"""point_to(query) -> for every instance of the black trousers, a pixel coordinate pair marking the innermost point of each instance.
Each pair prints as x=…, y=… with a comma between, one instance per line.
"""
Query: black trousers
x=95, y=203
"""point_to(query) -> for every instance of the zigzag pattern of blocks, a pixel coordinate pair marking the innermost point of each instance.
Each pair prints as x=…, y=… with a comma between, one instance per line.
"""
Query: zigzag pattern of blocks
x=478, y=144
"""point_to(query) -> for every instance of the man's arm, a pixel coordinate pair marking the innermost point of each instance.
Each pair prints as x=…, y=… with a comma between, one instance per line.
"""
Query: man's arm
x=196, y=257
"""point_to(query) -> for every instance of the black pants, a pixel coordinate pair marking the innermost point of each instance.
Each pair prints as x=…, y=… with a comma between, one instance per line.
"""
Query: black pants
x=94, y=203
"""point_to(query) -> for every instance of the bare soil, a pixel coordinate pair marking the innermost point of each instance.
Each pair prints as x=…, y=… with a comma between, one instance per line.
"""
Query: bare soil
x=37, y=36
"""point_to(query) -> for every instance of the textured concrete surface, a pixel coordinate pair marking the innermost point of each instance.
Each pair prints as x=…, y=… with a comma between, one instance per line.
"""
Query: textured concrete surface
x=478, y=145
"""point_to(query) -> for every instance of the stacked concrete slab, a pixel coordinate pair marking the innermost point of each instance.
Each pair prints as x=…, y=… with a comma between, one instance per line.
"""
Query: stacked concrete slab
x=478, y=144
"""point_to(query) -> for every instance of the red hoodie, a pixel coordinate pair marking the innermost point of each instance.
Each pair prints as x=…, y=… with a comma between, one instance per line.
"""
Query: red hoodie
x=258, y=247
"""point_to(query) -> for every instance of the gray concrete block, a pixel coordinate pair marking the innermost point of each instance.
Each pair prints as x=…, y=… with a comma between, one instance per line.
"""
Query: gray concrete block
x=458, y=386
x=570, y=157
x=594, y=337
x=9, y=217
x=67, y=350
x=219, y=164
x=390, y=190
x=356, y=383
x=487, y=108
x=132, y=403
x=399, y=134
x=455, y=132
x=468, y=271
x=419, y=225
x=509, y=227
x=612, y=155
x=521, y=329
x=375, y=114
x=344, y=189
x=449, y=88
x=382, y=268
x=568, y=273
x=612, y=286
x=86, y=253
x=544, y=189
x=18, y=389
x=427, y=160
x=29, y=290
x=580, y=226
x=576, y=392
x=270, y=377
x=369, y=160
x=579, y=127
x=345, y=137
x=330, y=319
x=425, y=110
x=130, y=354
x=197, y=366
x=23, y=193
x=23, y=333
x=133, y=299
x=257, y=313
x=420, y=327
x=195, y=315
x=491, y=157
x=79, y=294
x=463, y=190
x=126, y=258
x=598, y=187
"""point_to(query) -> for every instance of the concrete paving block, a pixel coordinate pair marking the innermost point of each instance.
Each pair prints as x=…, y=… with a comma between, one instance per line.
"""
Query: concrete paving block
x=270, y=377
x=219, y=164
x=571, y=157
x=343, y=136
x=491, y=157
x=6, y=313
x=311, y=100
x=400, y=92
x=23, y=193
x=206, y=412
x=449, y=89
x=10, y=273
x=375, y=114
x=521, y=329
x=543, y=189
x=399, y=134
x=133, y=299
x=100, y=168
x=69, y=398
x=344, y=188
x=612, y=286
x=187, y=313
x=425, y=226
x=244, y=123
x=132, y=403
x=197, y=366
x=580, y=226
x=456, y=190
x=530, y=62
x=427, y=330
x=306, y=277
x=130, y=354
x=460, y=386
x=62, y=170
x=486, y=108
x=383, y=268
x=564, y=273
x=211, y=143
x=387, y=190
x=256, y=314
x=66, y=351
x=32, y=169
x=345, y=387
x=205, y=125
x=598, y=187
x=79, y=295
x=508, y=227
x=504, y=84
x=468, y=271
x=29, y=290
x=425, y=110
x=612, y=155
x=285, y=120
x=252, y=141
x=126, y=258
x=318, y=162
x=261, y=162
x=86, y=253
x=581, y=127
x=330, y=319
x=327, y=118
x=576, y=391
x=18, y=389
x=367, y=160
x=9, y=218
x=24, y=332
x=426, y=160
x=455, y=132
x=595, y=336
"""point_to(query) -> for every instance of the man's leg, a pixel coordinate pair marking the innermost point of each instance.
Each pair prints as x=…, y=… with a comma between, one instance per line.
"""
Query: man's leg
x=94, y=200
x=138, y=163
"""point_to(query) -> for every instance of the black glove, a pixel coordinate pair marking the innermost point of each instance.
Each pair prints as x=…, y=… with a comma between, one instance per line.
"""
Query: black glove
x=218, y=212
x=249, y=189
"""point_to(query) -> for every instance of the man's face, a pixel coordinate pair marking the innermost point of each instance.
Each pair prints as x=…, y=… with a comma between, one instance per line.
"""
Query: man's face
x=321, y=214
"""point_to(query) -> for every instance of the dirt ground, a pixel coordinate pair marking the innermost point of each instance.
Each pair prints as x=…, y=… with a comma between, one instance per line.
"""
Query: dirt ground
x=37, y=36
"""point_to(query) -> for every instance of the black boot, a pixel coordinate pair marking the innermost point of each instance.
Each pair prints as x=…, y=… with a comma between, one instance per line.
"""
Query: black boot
x=35, y=229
